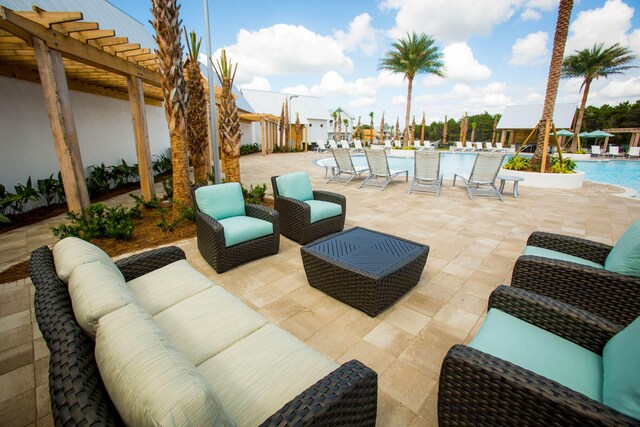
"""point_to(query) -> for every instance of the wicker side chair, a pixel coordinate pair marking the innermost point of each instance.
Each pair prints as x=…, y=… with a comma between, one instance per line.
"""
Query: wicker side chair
x=478, y=388
x=217, y=247
x=605, y=293
x=297, y=221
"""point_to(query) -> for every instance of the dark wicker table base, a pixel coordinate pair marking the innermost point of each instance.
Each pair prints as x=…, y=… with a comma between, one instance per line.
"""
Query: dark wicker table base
x=369, y=292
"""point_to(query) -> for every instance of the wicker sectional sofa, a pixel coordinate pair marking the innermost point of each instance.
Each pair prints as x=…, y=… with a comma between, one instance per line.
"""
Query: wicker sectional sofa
x=148, y=340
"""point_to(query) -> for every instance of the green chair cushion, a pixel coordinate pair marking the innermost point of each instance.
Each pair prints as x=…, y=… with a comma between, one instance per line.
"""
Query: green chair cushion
x=621, y=371
x=295, y=185
x=624, y=258
x=548, y=253
x=516, y=341
x=221, y=201
x=240, y=229
x=322, y=210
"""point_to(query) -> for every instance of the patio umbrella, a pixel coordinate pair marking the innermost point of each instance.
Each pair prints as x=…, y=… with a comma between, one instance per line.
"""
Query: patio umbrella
x=585, y=135
x=599, y=134
x=564, y=132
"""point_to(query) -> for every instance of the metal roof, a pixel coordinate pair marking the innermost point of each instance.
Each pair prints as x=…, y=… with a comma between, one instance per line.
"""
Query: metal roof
x=241, y=101
x=527, y=116
x=308, y=107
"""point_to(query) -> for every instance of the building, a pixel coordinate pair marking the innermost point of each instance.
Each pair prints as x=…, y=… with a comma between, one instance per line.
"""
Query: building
x=519, y=120
x=349, y=122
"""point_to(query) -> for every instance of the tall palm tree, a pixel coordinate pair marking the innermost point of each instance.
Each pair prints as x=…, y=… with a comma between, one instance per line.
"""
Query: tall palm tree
x=382, y=128
x=445, y=129
x=197, y=123
x=339, y=120
x=559, y=42
x=281, y=125
x=356, y=133
x=334, y=115
x=397, y=128
x=372, y=133
x=228, y=119
x=422, y=125
x=167, y=23
x=590, y=65
x=297, y=127
x=415, y=54
x=287, y=125
x=473, y=130
x=464, y=127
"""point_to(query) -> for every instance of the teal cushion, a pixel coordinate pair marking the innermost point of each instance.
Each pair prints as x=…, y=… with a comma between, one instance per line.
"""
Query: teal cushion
x=322, y=210
x=238, y=229
x=542, y=352
x=221, y=201
x=624, y=258
x=295, y=185
x=621, y=371
x=548, y=253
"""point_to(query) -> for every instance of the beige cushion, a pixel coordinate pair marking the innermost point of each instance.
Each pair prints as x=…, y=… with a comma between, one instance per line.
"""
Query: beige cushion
x=97, y=290
x=166, y=286
x=207, y=323
x=258, y=375
x=71, y=252
x=149, y=381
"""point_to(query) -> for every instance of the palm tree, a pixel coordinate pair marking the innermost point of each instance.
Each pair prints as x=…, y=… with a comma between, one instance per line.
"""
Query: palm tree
x=464, y=127
x=346, y=129
x=559, y=42
x=281, y=126
x=228, y=119
x=422, y=125
x=445, y=129
x=339, y=120
x=413, y=55
x=397, y=128
x=197, y=124
x=590, y=65
x=287, y=125
x=298, y=131
x=473, y=131
x=356, y=133
x=381, y=136
x=372, y=133
x=166, y=23
x=334, y=115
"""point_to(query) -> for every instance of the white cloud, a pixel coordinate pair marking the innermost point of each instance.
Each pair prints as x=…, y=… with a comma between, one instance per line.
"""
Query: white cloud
x=296, y=90
x=365, y=101
x=530, y=15
x=284, y=49
x=608, y=24
x=460, y=64
x=389, y=79
x=435, y=17
x=634, y=42
x=433, y=80
x=622, y=88
x=534, y=98
x=259, y=83
x=359, y=36
x=531, y=50
x=459, y=90
x=399, y=100
x=543, y=4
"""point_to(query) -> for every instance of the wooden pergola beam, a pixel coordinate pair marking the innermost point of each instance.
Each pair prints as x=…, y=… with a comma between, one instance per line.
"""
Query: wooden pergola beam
x=72, y=48
x=141, y=136
x=70, y=27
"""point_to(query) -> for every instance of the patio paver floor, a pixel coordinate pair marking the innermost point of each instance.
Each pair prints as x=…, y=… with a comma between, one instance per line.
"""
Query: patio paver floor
x=474, y=245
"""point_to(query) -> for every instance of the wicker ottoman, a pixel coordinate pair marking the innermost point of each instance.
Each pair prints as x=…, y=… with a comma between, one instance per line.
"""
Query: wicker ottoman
x=363, y=268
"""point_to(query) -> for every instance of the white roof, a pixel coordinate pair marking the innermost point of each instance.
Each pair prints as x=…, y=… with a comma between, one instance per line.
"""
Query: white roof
x=308, y=107
x=527, y=116
x=343, y=113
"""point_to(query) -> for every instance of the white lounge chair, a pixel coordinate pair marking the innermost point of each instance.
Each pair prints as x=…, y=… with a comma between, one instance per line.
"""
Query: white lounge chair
x=595, y=151
x=499, y=147
x=479, y=146
x=482, y=180
x=416, y=144
x=633, y=152
x=488, y=146
x=388, y=144
x=428, y=146
x=426, y=172
x=346, y=171
x=344, y=144
x=458, y=147
x=468, y=146
x=321, y=146
x=357, y=146
x=379, y=173
x=332, y=144
x=614, y=151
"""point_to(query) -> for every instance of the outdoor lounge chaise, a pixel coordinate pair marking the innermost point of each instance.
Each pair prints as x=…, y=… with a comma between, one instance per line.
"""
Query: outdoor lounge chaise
x=306, y=214
x=231, y=232
x=346, y=170
x=633, y=152
x=538, y=361
x=482, y=180
x=602, y=279
x=357, y=146
x=614, y=151
x=379, y=173
x=172, y=348
x=426, y=173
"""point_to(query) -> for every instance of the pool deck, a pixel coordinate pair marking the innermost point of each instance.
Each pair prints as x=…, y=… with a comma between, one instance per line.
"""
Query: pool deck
x=474, y=245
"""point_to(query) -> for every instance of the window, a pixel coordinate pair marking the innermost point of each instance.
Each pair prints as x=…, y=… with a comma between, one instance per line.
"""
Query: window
x=310, y=124
x=321, y=125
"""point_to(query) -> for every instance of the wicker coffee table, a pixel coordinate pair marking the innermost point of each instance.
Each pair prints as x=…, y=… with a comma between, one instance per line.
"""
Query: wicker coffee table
x=363, y=268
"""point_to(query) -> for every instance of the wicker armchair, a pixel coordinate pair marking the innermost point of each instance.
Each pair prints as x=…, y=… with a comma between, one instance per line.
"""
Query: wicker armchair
x=605, y=293
x=212, y=243
x=477, y=388
x=296, y=216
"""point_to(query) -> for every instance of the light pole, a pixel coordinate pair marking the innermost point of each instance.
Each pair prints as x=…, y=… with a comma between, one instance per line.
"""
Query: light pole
x=212, y=99
x=290, y=112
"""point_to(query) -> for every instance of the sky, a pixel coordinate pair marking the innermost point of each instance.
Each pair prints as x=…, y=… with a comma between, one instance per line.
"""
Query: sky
x=496, y=52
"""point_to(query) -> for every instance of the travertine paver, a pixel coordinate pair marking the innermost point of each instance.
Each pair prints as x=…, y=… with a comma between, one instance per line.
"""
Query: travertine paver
x=473, y=248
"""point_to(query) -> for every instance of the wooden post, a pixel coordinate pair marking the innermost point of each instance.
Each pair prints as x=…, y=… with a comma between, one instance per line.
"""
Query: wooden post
x=262, y=141
x=141, y=135
x=305, y=137
x=637, y=140
x=512, y=137
x=606, y=142
x=503, y=136
x=65, y=137
x=274, y=128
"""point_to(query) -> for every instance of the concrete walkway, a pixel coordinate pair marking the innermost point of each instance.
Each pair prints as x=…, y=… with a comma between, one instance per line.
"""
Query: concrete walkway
x=474, y=245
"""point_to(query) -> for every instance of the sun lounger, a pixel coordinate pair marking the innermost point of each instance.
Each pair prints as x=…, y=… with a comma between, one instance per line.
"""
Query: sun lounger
x=499, y=147
x=458, y=147
x=332, y=144
x=379, y=173
x=426, y=176
x=595, y=151
x=482, y=180
x=614, y=151
x=345, y=144
x=357, y=146
x=468, y=146
x=479, y=146
x=346, y=171
x=321, y=147
x=388, y=145
x=488, y=146
x=416, y=144
x=633, y=152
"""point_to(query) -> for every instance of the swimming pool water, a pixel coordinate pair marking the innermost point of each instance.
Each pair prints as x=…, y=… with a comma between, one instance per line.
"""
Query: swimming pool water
x=620, y=172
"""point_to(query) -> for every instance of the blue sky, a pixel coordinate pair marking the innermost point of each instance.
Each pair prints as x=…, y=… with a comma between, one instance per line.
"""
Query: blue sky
x=496, y=51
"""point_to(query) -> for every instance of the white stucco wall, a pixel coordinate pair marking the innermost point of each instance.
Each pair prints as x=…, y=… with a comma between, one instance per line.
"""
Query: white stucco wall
x=315, y=132
x=103, y=124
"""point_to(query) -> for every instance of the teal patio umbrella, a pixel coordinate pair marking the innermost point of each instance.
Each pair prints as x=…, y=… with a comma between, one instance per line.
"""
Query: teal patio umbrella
x=563, y=132
x=599, y=134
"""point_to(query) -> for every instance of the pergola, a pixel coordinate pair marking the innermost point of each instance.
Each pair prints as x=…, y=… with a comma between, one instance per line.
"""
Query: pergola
x=268, y=129
x=61, y=51
x=635, y=135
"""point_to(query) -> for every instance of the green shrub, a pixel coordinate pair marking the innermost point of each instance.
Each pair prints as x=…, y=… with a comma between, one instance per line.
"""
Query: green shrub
x=167, y=224
x=167, y=184
x=568, y=165
x=100, y=222
x=518, y=163
x=151, y=204
x=162, y=165
x=99, y=180
x=255, y=194
x=24, y=194
x=251, y=148
x=50, y=190
x=7, y=199
x=123, y=173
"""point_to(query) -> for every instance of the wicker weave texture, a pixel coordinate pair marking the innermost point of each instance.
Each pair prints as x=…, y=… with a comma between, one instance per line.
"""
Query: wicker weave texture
x=582, y=248
x=145, y=262
x=295, y=216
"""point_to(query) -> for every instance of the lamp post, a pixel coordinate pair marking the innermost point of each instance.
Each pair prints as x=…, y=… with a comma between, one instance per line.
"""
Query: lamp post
x=290, y=112
x=212, y=99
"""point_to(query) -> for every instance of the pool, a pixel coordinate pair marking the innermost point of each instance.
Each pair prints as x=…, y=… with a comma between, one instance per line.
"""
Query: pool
x=625, y=173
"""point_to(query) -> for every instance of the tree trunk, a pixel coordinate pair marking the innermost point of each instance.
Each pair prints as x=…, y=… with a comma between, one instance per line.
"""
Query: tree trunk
x=559, y=42
x=583, y=104
x=408, y=113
